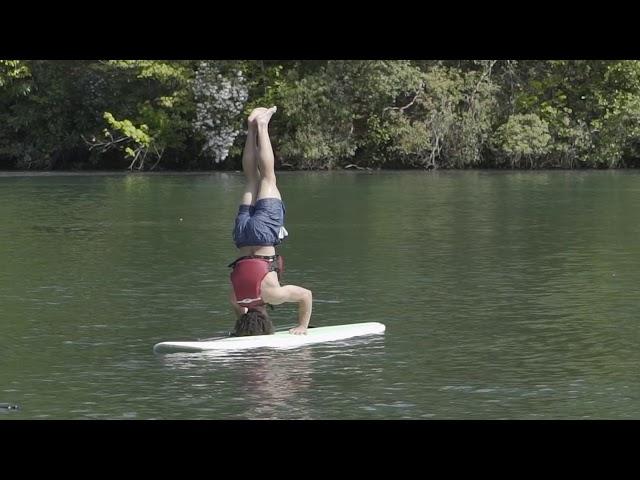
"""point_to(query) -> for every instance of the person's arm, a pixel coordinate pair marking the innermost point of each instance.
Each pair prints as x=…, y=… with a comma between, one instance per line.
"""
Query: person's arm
x=292, y=293
x=237, y=309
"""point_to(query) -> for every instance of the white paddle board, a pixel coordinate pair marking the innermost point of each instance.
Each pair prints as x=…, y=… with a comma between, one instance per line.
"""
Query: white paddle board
x=277, y=340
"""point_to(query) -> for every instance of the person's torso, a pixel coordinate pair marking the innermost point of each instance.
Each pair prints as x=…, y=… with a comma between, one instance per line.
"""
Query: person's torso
x=267, y=250
x=246, y=278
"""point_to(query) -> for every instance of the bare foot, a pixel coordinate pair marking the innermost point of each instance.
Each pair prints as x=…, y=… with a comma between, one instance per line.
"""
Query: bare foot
x=263, y=118
x=255, y=113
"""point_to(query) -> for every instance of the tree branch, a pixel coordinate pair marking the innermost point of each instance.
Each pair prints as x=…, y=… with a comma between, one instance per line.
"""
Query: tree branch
x=402, y=109
x=103, y=145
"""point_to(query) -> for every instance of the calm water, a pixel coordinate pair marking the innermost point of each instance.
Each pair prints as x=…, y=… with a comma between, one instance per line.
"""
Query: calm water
x=505, y=295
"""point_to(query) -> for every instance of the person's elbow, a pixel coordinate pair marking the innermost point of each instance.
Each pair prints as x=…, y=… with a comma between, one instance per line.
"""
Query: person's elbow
x=307, y=296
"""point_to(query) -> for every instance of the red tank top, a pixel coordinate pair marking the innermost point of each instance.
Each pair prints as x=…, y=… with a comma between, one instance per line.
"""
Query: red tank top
x=246, y=277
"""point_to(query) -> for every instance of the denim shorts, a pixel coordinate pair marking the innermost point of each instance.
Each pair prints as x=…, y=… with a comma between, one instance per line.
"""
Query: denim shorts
x=261, y=224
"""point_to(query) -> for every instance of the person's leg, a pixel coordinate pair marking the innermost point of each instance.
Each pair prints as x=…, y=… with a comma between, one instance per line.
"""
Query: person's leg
x=267, y=183
x=250, y=160
x=261, y=223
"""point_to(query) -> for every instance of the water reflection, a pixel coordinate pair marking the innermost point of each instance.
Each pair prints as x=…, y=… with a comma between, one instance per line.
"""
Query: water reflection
x=267, y=384
x=278, y=385
x=275, y=383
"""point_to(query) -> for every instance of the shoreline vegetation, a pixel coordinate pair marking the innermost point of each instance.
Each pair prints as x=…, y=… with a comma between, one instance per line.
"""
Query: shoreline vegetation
x=361, y=115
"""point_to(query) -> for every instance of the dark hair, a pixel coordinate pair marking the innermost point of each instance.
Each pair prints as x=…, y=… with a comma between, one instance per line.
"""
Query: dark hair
x=254, y=322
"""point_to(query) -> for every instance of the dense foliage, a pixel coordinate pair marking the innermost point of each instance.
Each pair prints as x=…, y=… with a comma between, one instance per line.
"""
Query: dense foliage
x=189, y=114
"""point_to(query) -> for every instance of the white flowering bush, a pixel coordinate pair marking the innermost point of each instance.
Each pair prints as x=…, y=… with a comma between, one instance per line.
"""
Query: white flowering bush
x=220, y=99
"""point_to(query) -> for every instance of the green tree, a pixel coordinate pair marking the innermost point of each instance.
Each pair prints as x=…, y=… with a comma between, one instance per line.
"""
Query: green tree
x=523, y=136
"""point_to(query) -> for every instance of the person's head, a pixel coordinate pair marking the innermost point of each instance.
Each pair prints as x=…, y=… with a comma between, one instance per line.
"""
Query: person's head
x=255, y=322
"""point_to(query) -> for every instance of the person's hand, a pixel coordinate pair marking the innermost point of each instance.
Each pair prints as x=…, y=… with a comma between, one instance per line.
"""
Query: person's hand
x=298, y=330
